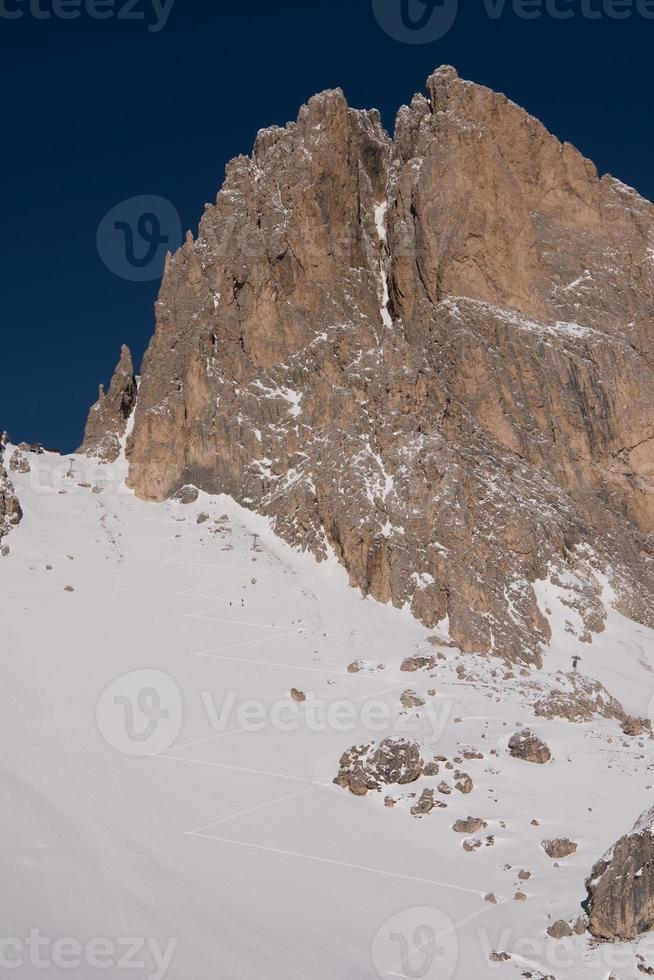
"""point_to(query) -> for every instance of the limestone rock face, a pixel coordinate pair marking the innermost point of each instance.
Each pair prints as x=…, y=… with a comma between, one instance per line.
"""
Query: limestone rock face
x=621, y=886
x=107, y=421
x=431, y=354
x=10, y=509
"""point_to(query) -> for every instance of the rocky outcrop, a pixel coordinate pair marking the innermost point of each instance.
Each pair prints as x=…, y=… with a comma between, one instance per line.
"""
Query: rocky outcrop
x=107, y=422
x=371, y=766
x=584, y=700
x=19, y=462
x=10, y=509
x=636, y=727
x=528, y=747
x=431, y=354
x=620, y=903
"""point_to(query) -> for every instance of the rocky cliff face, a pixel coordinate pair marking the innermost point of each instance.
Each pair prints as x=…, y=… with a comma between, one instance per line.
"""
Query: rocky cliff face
x=621, y=886
x=10, y=509
x=107, y=421
x=432, y=354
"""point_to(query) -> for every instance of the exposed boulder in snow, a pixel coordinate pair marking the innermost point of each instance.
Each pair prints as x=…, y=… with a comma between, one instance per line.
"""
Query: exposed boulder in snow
x=559, y=848
x=186, y=495
x=620, y=888
x=525, y=745
x=470, y=825
x=411, y=700
x=464, y=783
x=107, y=421
x=425, y=804
x=371, y=766
x=559, y=930
x=423, y=661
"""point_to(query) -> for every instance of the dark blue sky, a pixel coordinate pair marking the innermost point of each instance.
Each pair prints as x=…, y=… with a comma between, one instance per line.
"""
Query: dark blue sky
x=98, y=111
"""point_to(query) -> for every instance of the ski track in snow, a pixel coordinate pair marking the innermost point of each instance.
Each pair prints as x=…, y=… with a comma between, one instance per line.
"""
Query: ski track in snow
x=244, y=851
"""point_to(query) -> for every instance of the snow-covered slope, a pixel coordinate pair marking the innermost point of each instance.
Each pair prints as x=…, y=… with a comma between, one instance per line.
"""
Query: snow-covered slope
x=165, y=799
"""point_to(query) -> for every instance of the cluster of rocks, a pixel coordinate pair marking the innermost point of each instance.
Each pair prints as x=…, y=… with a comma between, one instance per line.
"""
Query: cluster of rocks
x=398, y=761
x=564, y=930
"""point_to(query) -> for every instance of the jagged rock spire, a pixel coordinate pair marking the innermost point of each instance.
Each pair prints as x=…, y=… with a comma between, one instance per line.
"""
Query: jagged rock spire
x=107, y=419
